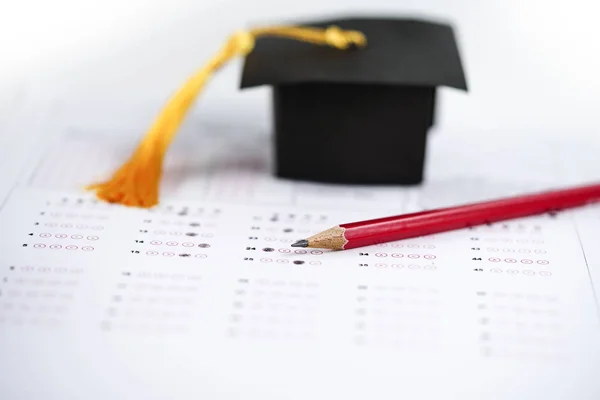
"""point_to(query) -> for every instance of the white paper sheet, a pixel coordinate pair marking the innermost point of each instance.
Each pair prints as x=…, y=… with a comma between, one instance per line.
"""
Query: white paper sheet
x=235, y=166
x=203, y=297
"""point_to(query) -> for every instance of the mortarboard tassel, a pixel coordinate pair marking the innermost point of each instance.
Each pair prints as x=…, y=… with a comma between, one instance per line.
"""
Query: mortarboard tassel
x=136, y=183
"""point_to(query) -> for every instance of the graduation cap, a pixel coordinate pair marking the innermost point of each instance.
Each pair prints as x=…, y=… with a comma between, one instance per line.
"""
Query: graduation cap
x=353, y=100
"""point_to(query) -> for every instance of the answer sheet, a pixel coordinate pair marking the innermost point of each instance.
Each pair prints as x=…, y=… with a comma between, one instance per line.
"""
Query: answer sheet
x=203, y=296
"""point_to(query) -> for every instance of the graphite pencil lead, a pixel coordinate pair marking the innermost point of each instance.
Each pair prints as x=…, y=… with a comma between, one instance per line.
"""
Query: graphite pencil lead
x=301, y=243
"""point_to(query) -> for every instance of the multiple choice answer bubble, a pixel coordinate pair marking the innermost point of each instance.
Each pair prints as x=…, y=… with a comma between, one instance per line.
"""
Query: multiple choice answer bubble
x=268, y=260
x=72, y=215
x=74, y=226
x=170, y=254
x=176, y=244
x=511, y=240
x=521, y=250
x=399, y=266
x=46, y=235
x=61, y=247
x=408, y=255
x=515, y=261
x=520, y=272
x=407, y=245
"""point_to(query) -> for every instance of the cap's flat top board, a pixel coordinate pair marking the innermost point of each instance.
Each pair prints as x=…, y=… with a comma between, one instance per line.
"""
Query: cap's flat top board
x=398, y=52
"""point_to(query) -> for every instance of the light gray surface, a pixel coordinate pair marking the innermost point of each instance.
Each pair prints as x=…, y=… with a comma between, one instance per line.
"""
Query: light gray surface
x=532, y=65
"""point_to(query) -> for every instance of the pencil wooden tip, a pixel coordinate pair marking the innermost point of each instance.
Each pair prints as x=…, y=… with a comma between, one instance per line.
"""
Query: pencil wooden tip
x=332, y=239
x=301, y=243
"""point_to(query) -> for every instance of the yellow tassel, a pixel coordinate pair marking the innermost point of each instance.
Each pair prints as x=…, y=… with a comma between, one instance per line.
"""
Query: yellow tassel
x=137, y=182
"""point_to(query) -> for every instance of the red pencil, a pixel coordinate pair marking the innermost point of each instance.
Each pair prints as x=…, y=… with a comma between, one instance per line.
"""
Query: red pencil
x=381, y=230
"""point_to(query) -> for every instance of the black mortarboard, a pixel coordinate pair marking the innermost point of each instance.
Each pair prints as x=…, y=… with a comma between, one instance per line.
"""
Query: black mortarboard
x=358, y=116
x=353, y=100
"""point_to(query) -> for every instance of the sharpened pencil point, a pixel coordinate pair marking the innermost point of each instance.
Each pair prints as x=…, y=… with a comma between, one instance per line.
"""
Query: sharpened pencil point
x=301, y=243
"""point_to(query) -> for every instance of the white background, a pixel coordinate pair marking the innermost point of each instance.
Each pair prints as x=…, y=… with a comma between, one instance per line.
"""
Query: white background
x=533, y=66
